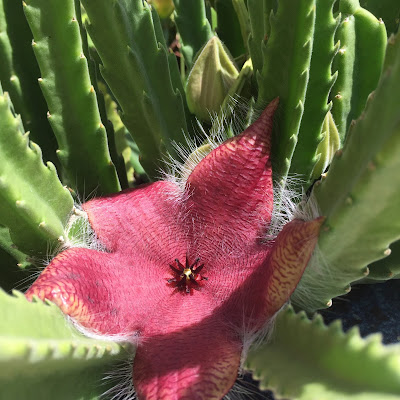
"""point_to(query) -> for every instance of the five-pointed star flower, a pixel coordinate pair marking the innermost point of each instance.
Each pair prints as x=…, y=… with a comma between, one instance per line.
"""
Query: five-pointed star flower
x=186, y=272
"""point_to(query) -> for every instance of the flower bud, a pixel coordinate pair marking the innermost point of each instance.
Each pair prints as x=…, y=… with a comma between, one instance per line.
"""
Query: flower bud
x=194, y=158
x=164, y=8
x=328, y=146
x=210, y=79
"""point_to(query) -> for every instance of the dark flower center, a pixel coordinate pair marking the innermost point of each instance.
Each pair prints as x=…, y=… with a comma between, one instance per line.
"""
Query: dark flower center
x=187, y=277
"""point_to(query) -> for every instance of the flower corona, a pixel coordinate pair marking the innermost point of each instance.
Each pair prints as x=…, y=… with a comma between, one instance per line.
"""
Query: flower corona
x=187, y=277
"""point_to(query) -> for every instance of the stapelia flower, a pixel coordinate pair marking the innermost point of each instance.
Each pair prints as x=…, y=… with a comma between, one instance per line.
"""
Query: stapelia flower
x=186, y=272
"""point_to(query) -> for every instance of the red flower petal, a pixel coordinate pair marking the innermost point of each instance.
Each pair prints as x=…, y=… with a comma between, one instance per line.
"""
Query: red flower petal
x=106, y=293
x=110, y=294
x=146, y=220
x=264, y=281
x=200, y=362
x=271, y=286
x=231, y=188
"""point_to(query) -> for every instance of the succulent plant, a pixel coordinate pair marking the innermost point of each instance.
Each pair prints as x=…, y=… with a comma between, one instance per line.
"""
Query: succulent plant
x=169, y=185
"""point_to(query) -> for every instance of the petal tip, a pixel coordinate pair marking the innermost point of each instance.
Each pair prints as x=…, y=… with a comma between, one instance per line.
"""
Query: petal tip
x=270, y=109
x=289, y=258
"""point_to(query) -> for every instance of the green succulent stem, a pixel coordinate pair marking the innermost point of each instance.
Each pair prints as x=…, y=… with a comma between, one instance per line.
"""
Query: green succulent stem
x=94, y=72
x=360, y=195
x=193, y=26
x=259, y=25
x=306, y=360
x=34, y=204
x=386, y=268
x=358, y=72
x=19, y=73
x=244, y=23
x=14, y=269
x=229, y=27
x=41, y=346
x=319, y=86
x=142, y=75
x=388, y=10
x=8, y=77
x=71, y=98
x=285, y=74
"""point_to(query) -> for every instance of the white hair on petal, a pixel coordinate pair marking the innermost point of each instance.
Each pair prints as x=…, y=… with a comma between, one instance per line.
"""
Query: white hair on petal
x=313, y=281
x=287, y=197
x=79, y=232
x=192, y=152
x=128, y=337
x=34, y=271
x=243, y=390
x=224, y=125
x=120, y=378
x=252, y=339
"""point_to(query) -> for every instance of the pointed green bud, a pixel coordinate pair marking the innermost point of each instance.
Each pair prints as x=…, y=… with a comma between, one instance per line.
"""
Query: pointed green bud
x=210, y=79
x=164, y=8
x=195, y=157
x=327, y=147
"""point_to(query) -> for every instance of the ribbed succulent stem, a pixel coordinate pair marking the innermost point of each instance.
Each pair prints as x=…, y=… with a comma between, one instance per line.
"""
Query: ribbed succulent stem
x=229, y=27
x=51, y=357
x=71, y=98
x=308, y=360
x=286, y=74
x=9, y=247
x=19, y=73
x=125, y=145
x=193, y=27
x=386, y=268
x=388, y=10
x=142, y=75
x=14, y=271
x=318, y=88
x=34, y=204
x=8, y=77
x=94, y=73
x=358, y=71
x=360, y=195
x=94, y=69
x=260, y=29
